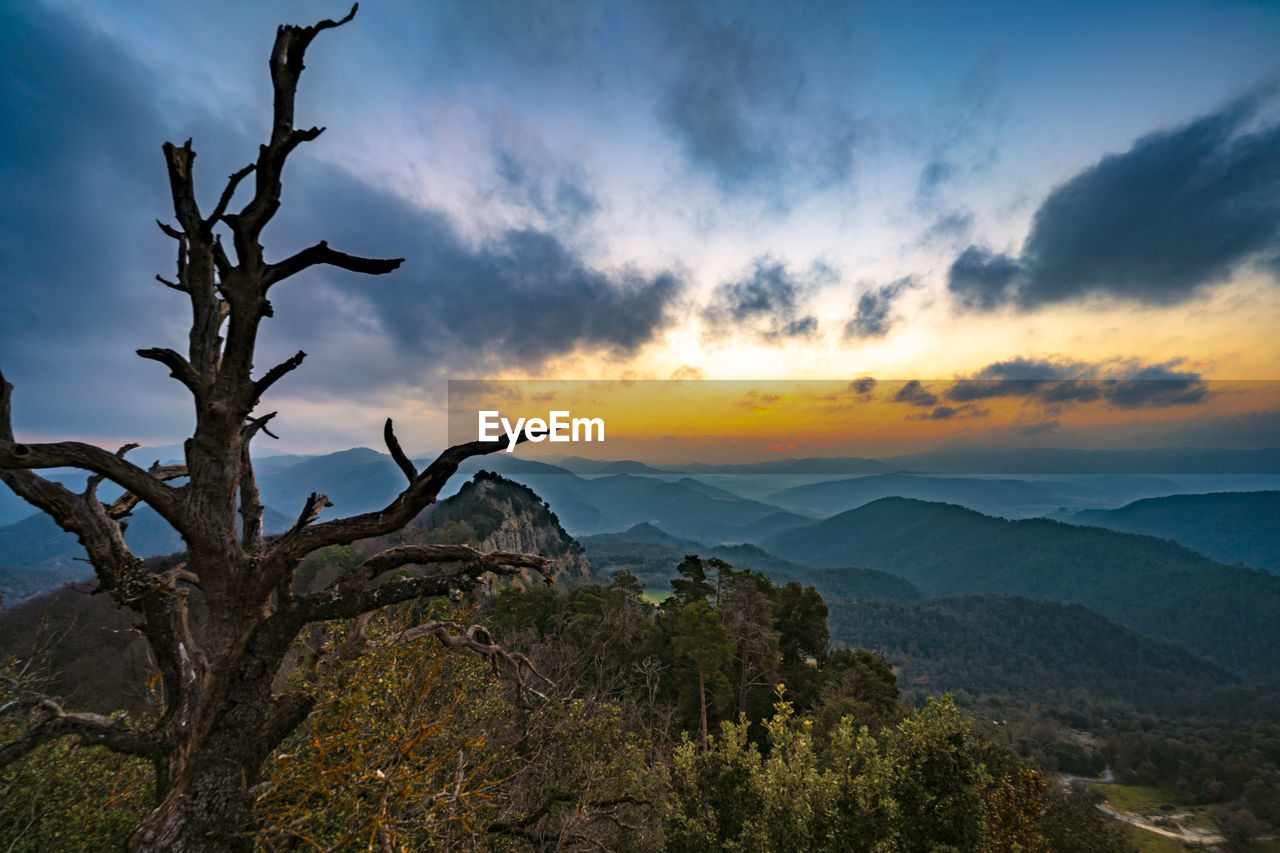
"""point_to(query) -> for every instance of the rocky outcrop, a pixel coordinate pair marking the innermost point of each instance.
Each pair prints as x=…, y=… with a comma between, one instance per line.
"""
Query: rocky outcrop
x=493, y=513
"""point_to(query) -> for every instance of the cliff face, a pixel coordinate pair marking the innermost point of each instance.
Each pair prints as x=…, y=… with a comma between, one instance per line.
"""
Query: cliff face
x=493, y=513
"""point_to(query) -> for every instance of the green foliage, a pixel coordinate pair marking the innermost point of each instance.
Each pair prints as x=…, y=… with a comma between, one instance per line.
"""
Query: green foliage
x=63, y=796
x=324, y=566
x=692, y=584
x=1073, y=824
x=1033, y=651
x=416, y=747
x=928, y=784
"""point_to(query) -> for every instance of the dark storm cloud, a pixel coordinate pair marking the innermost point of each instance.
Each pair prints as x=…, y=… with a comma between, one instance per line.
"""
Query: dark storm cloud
x=915, y=394
x=1179, y=211
x=947, y=413
x=1158, y=385
x=521, y=296
x=738, y=103
x=862, y=386
x=83, y=179
x=1124, y=384
x=872, y=317
x=765, y=301
x=982, y=280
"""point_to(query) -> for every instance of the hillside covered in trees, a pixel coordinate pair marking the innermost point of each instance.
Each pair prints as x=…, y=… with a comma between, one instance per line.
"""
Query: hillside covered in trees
x=742, y=709
x=723, y=716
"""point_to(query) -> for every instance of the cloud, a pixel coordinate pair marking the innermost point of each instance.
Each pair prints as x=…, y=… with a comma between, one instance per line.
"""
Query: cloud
x=951, y=224
x=739, y=106
x=548, y=34
x=1038, y=428
x=83, y=181
x=934, y=174
x=982, y=280
x=516, y=297
x=765, y=301
x=1176, y=213
x=947, y=413
x=530, y=175
x=871, y=320
x=1057, y=382
x=915, y=394
x=862, y=386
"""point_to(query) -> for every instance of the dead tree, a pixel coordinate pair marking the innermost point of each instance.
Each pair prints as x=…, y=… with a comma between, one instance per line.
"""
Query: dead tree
x=220, y=718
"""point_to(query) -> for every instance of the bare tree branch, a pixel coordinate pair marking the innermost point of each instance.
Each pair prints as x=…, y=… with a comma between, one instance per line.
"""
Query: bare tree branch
x=91, y=487
x=521, y=825
x=389, y=436
x=74, y=454
x=286, y=67
x=123, y=505
x=288, y=710
x=421, y=555
x=227, y=193
x=170, y=230
x=250, y=499
x=182, y=186
x=320, y=253
x=345, y=601
x=276, y=373
x=420, y=494
x=180, y=368
x=93, y=730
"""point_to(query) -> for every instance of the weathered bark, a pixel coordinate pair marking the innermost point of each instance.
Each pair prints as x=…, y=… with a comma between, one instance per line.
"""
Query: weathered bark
x=702, y=704
x=220, y=718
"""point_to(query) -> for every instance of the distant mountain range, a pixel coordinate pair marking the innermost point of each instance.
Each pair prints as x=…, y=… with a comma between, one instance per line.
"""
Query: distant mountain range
x=1230, y=615
x=42, y=556
x=652, y=555
x=994, y=496
x=743, y=504
x=1230, y=527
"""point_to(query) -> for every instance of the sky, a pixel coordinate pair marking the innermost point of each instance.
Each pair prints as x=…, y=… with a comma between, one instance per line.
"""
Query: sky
x=653, y=190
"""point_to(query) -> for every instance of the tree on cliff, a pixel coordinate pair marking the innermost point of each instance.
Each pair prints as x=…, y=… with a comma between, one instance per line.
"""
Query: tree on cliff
x=220, y=717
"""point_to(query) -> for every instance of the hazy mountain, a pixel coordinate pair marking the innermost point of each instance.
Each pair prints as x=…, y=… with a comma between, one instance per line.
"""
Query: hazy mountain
x=20, y=583
x=1031, y=460
x=813, y=465
x=652, y=556
x=43, y=556
x=1026, y=650
x=1010, y=498
x=1228, y=614
x=602, y=504
x=592, y=467
x=356, y=480
x=1230, y=527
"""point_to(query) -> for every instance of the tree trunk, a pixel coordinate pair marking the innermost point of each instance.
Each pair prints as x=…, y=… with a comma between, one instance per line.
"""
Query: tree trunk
x=221, y=720
x=702, y=699
x=210, y=811
x=222, y=735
